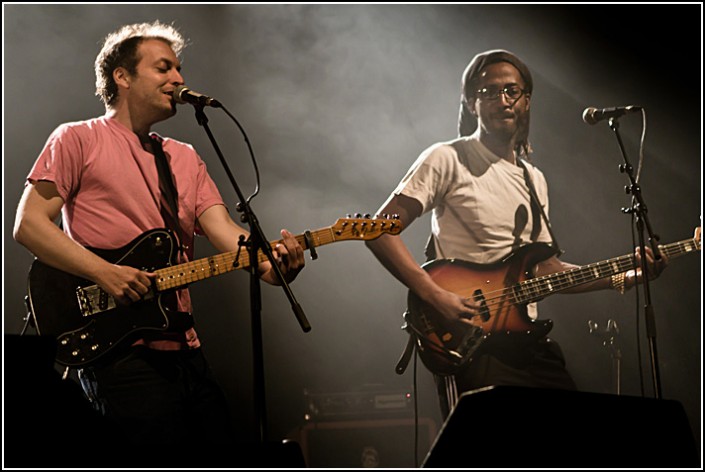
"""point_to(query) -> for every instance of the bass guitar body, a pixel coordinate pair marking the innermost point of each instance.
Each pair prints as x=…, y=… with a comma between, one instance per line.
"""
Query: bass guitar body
x=446, y=345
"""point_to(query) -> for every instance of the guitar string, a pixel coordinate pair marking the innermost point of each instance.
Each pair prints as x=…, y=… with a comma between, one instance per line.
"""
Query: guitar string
x=528, y=290
x=223, y=263
x=182, y=274
x=576, y=276
x=586, y=274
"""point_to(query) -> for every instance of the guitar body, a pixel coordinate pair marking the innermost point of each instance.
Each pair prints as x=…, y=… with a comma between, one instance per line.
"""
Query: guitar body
x=445, y=346
x=88, y=324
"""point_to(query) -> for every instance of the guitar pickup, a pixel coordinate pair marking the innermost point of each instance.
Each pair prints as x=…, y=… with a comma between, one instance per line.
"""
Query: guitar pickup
x=484, y=311
x=93, y=300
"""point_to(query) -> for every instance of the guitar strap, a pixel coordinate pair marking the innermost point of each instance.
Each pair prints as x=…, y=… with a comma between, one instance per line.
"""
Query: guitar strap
x=537, y=210
x=168, y=206
x=178, y=321
x=403, y=361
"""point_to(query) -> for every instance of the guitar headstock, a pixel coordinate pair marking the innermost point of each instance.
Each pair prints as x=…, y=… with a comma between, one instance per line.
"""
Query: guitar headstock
x=365, y=228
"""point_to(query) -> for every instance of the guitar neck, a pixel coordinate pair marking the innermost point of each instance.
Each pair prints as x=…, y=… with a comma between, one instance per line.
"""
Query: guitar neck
x=540, y=287
x=201, y=269
x=344, y=229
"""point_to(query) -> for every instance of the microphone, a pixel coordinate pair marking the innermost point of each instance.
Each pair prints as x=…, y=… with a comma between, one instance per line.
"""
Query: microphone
x=183, y=94
x=593, y=115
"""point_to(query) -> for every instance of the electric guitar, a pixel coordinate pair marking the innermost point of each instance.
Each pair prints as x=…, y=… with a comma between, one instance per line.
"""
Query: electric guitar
x=503, y=289
x=87, y=322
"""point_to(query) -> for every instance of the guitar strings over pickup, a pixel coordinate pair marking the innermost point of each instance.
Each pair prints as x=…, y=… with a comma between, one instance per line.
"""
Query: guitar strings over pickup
x=93, y=300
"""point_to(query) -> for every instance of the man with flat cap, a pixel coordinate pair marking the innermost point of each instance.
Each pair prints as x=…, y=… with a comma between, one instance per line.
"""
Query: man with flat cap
x=489, y=206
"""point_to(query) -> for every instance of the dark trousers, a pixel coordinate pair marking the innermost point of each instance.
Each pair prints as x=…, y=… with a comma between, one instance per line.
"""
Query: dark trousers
x=538, y=364
x=161, y=398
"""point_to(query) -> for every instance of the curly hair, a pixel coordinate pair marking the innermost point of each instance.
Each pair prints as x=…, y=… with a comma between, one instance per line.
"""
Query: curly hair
x=120, y=50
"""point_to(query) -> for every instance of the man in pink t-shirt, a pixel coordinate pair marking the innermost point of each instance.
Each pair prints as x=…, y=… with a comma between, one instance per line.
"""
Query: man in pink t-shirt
x=101, y=176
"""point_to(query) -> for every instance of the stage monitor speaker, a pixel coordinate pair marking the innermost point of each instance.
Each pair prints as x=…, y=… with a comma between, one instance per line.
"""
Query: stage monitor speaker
x=539, y=428
x=48, y=422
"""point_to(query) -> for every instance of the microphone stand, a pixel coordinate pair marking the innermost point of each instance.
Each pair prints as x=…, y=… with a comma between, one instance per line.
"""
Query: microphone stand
x=609, y=339
x=640, y=211
x=257, y=241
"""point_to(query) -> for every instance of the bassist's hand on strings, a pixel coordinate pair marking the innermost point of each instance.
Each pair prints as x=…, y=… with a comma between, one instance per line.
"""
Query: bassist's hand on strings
x=654, y=266
x=455, y=308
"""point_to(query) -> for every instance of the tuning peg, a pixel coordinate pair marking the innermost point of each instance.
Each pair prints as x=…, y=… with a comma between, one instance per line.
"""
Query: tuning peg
x=593, y=326
x=612, y=327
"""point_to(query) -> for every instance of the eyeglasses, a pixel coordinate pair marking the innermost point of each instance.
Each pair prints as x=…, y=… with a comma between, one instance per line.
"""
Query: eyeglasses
x=512, y=92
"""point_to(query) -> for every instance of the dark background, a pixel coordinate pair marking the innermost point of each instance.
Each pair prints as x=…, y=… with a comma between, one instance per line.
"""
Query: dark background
x=338, y=101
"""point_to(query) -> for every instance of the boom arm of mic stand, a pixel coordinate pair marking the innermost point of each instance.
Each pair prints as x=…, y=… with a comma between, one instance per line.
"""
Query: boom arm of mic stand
x=640, y=211
x=638, y=208
x=255, y=229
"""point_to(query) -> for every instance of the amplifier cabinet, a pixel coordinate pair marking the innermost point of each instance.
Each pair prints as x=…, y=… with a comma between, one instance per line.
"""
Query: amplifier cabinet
x=375, y=443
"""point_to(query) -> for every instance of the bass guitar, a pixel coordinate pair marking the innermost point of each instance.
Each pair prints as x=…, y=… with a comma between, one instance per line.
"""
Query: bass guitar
x=88, y=323
x=503, y=289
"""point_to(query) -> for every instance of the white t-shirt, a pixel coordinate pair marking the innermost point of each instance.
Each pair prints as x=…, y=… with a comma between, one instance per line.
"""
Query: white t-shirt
x=480, y=203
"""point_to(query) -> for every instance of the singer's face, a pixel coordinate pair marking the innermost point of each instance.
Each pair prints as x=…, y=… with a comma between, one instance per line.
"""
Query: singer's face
x=499, y=114
x=158, y=73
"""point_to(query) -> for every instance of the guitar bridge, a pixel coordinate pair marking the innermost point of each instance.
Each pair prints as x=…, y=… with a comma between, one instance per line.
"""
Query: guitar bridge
x=93, y=300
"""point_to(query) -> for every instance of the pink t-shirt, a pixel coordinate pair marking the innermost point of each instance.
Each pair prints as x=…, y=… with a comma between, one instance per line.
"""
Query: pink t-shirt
x=110, y=186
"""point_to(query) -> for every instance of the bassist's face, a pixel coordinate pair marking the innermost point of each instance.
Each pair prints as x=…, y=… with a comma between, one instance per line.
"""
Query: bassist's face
x=500, y=115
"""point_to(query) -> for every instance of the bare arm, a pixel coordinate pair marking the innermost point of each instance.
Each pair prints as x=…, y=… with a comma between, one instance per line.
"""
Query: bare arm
x=224, y=234
x=35, y=229
x=392, y=252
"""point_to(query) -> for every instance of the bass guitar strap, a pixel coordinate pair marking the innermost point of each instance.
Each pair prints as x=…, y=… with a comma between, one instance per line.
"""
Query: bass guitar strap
x=537, y=210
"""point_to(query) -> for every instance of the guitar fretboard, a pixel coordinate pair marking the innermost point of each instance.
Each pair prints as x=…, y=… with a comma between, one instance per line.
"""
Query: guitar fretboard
x=183, y=274
x=535, y=289
x=356, y=229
